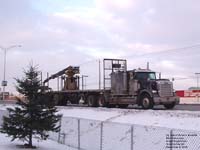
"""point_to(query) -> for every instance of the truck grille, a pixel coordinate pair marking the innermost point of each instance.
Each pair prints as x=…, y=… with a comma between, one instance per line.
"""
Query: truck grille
x=165, y=89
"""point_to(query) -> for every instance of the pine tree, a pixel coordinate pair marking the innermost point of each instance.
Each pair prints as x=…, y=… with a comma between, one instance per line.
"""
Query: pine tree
x=35, y=115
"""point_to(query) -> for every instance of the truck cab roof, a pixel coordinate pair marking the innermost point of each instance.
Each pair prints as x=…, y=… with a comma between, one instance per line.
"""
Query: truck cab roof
x=141, y=70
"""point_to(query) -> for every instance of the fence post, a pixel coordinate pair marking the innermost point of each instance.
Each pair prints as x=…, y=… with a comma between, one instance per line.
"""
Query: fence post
x=101, y=136
x=132, y=130
x=63, y=138
x=171, y=139
x=79, y=135
x=59, y=129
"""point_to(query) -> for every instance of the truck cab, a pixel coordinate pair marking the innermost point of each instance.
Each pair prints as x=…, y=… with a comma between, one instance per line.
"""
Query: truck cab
x=151, y=91
x=140, y=86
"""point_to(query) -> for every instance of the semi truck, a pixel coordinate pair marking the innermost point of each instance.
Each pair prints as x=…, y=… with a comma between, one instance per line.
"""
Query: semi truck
x=121, y=87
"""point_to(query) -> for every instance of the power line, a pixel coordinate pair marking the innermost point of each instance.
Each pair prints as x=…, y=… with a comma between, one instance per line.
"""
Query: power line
x=183, y=78
x=159, y=52
x=186, y=48
x=87, y=62
x=167, y=50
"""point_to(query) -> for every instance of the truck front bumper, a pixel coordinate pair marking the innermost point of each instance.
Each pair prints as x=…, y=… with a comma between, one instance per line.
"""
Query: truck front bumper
x=166, y=100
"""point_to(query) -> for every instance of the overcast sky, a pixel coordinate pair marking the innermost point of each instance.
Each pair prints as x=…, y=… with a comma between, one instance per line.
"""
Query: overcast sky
x=58, y=33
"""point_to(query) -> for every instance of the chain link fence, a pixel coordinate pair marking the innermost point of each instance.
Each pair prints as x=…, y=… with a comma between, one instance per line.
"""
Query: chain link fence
x=2, y=113
x=84, y=134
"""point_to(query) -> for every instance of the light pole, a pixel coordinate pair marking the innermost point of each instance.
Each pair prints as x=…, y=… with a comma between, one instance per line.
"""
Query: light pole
x=99, y=74
x=197, y=74
x=4, y=82
x=83, y=76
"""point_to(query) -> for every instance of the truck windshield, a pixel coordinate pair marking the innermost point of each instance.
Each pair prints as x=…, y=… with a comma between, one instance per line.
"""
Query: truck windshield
x=146, y=76
x=152, y=76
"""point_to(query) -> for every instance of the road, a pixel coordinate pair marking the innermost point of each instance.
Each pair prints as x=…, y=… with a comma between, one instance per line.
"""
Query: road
x=188, y=107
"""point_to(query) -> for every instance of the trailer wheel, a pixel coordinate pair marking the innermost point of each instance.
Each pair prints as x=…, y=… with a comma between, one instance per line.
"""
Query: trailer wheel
x=91, y=101
x=111, y=105
x=147, y=102
x=101, y=101
x=59, y=100
x=123, y=105
x=56, y=99
x=170, y=106
x=64, y=101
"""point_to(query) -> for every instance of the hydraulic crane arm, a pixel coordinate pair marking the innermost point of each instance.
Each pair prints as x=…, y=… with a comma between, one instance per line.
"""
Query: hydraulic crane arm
x=69, y=71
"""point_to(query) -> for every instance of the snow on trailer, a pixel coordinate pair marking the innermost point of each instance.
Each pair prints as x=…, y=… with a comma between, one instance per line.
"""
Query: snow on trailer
x=121, y=87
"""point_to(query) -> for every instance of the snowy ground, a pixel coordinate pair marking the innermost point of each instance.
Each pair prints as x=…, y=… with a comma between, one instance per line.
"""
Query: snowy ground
x=177, y=119
x=6, y=144
x=118, y=128
x=187, y=120
x=148, y=129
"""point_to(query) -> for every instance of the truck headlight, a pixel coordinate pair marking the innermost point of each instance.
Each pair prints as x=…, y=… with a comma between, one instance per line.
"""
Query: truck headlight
x=154, y=91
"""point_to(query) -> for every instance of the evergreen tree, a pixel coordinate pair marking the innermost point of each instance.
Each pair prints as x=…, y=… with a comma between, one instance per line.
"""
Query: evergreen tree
x=35, y=115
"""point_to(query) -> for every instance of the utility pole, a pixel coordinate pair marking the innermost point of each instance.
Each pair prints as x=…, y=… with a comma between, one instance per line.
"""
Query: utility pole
x=83, y=76
x=4, y=82
x=41, y=78
x=48, y=78
x=160, y=75
x=99, y=74
x=147, y=65
x=58, y=85
x=197, y=74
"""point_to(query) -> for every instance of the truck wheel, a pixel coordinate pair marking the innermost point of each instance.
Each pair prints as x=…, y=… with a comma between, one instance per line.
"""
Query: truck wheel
x=101, y=101
x=91, y=101
x=147, y=102
x=170, y=106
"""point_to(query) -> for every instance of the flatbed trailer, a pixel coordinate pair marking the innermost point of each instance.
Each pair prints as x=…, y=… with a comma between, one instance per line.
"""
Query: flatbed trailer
x=92, y=98
x=89, y=97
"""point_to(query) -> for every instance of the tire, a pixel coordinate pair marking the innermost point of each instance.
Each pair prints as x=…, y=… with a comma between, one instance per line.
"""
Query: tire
x=147, y=102
x=111, y=105
x=56, y=99
x=59, y=100
x=170, y=106
x=64, y=101
x=123, y=105
x=101, y=101
x=91, y=101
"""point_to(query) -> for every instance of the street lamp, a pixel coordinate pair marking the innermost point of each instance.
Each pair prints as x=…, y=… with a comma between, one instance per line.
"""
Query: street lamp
x=197, y=74
x=4, y=82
